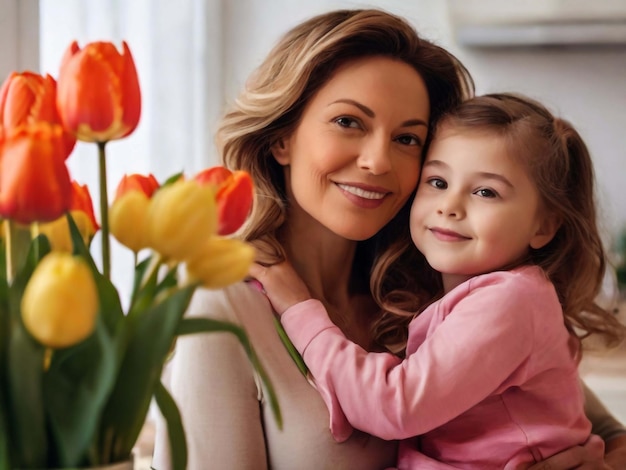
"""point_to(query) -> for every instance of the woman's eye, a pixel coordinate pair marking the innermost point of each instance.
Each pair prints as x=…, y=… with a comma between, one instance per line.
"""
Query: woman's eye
x=487, y=193
x=409, y=140
x=437, y=183
x=345, y=121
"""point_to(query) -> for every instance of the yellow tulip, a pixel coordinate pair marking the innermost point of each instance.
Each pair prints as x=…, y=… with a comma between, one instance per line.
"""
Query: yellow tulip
x=128, y=220
x=220, y=262
x=60, y=302
x=181, y=217
x=58, y=231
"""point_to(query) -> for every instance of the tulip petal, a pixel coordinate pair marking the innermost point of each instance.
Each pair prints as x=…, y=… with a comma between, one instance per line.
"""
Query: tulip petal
x=131, y=93
x=81, y=202
x=181, y=217
x=135, y=182
x=220, y=262
x=215, y=175
x=34, y=180
x=128, y=219
x=234, y=201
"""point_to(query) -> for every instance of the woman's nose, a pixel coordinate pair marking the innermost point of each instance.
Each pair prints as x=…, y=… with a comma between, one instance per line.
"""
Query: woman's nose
x=375, y=157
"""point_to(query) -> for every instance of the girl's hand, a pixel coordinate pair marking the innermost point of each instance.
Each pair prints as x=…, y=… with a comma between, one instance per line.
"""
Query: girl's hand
x=282, y=285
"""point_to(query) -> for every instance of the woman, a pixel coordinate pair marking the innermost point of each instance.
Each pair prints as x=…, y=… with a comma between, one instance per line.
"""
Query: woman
x=332, y=127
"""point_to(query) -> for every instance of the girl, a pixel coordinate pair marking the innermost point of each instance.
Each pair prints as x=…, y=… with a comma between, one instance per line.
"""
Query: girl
x=505, y=212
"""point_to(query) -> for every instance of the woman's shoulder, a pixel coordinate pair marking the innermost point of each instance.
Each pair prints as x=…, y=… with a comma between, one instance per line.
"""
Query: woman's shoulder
x=233, y=303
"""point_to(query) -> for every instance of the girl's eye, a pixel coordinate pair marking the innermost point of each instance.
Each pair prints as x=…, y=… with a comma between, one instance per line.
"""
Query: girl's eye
x=437, y=183
x=409, y=140
x=486, y=193
x=345, y=121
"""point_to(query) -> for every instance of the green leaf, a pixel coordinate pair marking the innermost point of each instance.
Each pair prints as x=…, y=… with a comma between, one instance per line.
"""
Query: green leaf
x=76, y=387
x=175, y=430
x=26, y=411
x=110, y=305
x=5, y=335
x=25, y=361
x=291, y=349
x=205, y=325
x=5, y=446
x=150, y=337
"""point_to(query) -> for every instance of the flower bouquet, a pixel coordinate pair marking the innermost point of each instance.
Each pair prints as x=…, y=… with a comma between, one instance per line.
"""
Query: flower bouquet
x=77, y=371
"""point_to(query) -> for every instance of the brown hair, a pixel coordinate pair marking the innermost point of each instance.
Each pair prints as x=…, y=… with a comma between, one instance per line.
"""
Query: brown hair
x=560, y=166
x=273, y=101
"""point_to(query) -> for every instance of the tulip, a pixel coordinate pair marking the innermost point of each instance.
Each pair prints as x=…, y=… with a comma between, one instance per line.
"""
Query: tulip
x=81, y=210
x=220, y=262
x=98, y=93
x=235, y=193
x=181, y=217
x=27, y=98
x=128, y=215
x=81, y=202
x=135, y=182
x=34, y=181
x=60, y=302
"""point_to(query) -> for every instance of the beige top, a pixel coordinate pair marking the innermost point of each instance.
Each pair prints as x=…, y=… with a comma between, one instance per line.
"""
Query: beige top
x=227, y=422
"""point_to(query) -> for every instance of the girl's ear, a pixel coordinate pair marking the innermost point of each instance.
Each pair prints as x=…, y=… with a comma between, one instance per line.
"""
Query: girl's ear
x=280, y=150
x=546, y=230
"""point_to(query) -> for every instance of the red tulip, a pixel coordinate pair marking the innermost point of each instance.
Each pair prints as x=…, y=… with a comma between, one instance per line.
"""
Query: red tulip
x=98, y=92
x=81, y=201
x=135, y=182
x=235, y=193
x=34, y=181
x=27, y=98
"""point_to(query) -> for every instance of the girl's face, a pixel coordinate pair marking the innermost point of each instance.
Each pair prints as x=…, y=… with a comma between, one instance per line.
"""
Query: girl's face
x=354, y=158
x=476, y=209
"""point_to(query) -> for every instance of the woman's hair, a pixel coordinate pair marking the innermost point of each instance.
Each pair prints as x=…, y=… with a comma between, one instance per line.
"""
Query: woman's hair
x=271, y=106
x=560, y=167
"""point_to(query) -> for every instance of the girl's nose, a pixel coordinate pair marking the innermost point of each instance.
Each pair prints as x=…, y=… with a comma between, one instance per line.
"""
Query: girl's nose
x=451, y=205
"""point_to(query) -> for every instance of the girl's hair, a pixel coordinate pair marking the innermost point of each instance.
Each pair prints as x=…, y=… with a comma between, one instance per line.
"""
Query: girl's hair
x=559, y=165
x=272, y=104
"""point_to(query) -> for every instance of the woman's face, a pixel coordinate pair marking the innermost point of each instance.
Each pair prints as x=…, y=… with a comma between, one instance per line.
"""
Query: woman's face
x=354, y=158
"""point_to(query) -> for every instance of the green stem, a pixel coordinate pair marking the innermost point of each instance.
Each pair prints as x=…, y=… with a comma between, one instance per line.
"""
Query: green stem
x=17, y=240
x=104, y=212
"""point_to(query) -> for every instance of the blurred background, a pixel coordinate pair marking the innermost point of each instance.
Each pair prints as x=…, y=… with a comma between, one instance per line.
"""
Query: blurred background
x=193, y=56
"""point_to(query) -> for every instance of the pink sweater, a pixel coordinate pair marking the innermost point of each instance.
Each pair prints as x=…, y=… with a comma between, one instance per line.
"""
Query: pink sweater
x=489, y=379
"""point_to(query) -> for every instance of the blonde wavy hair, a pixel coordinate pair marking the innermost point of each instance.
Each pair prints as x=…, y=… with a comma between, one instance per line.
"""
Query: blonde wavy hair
x=270, y=107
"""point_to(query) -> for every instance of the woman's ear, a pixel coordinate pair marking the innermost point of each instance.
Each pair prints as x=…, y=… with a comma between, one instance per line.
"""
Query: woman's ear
x=546, y=230
x=280, y=150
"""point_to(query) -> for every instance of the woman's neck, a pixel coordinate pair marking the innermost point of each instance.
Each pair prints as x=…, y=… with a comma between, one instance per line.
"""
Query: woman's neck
x=324, y=262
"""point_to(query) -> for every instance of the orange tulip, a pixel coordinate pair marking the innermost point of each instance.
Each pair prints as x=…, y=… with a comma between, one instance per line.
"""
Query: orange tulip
x=34, y=181
x=235, y=193
x=81, y=201
x=135, y=182
x=27, y=98
x=98, y=92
